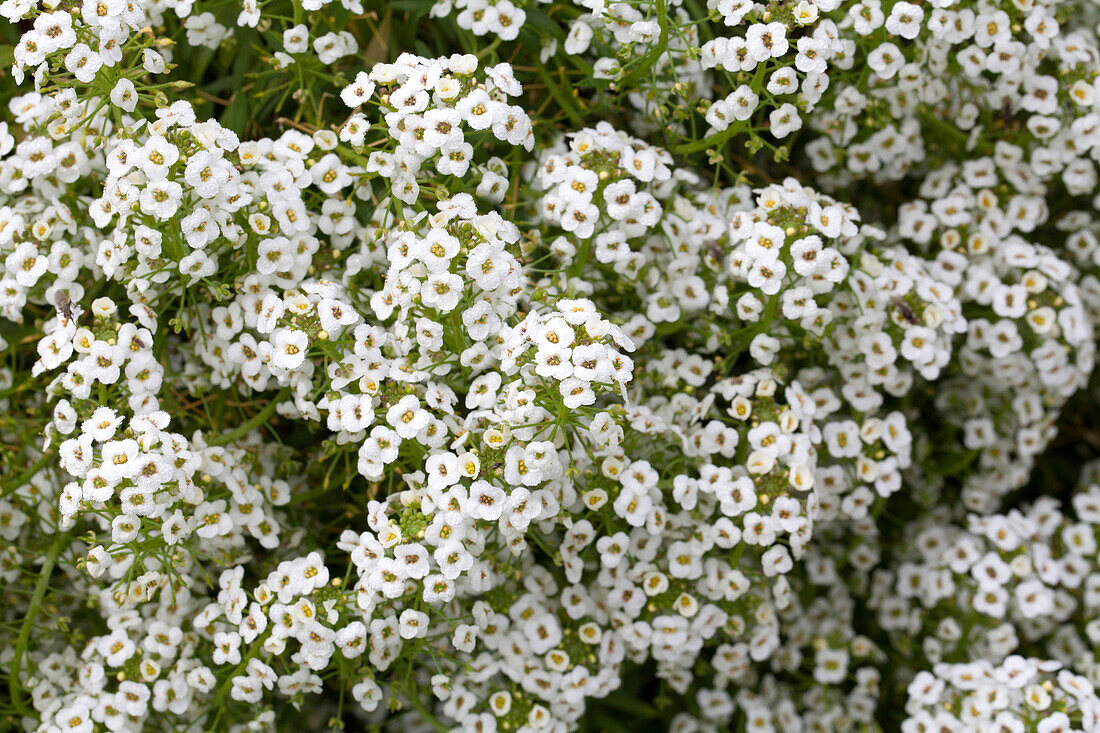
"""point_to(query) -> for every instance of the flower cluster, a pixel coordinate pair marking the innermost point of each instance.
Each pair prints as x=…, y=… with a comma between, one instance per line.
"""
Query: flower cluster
x=1019, y=694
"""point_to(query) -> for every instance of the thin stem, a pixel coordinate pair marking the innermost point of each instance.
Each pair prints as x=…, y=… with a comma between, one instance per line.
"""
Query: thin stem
x=27, y=475
x=253, y=422
x=427, y=714
x=561, y=98
x=60, y=541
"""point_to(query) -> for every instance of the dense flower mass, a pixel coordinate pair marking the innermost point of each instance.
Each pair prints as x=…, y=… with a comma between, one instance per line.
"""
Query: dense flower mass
x=502, y=366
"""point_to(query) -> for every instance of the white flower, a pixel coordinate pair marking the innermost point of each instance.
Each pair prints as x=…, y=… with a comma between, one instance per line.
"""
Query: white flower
x=412, y=560
x=296, y=39
x=152, y=61
x=75, y=718
x=784, y=120
x=288, y=348
x=407, y=417
x=368, y=694
x=413, y=624
x=765, y=41
x=486, y=501
x=83, y=63
x=885, y=60
x=161, y=199
x=905, y=20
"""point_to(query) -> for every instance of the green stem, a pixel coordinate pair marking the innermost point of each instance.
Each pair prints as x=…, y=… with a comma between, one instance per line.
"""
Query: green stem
x=720, y=138
x=252, y=422
x=561, y=98
x=14, y=686
x=27, y=475
x=645, y=64
x=580, y=259
x=489, y=49
x=427, y=714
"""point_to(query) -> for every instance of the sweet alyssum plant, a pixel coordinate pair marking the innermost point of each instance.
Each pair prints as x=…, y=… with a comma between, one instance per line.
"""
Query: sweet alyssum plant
x=541, y=366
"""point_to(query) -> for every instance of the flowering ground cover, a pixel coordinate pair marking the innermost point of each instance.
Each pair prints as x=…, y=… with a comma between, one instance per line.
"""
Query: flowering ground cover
x=549, y=365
